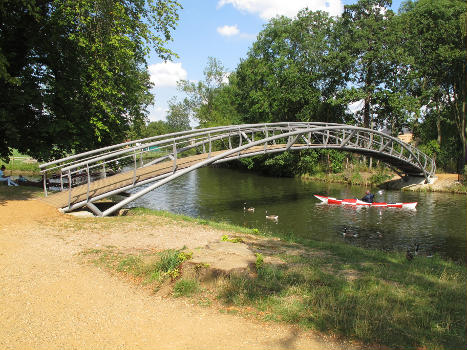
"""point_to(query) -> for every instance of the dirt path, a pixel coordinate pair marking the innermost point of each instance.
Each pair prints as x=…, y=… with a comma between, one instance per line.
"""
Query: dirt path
x=50, y=300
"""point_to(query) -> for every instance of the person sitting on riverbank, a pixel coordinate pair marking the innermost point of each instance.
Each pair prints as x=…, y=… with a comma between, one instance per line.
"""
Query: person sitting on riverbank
x=6, y=178
x=368, y=197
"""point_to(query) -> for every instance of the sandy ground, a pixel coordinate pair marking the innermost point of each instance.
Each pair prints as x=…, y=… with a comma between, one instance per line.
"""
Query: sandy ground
x=442, y=183
x=51, y=300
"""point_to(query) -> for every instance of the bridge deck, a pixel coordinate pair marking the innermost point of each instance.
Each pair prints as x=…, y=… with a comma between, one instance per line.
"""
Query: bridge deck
x=115, y=182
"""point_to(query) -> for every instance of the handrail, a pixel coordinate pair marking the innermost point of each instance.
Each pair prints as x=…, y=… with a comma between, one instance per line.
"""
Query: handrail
x=187, y=132
x=171, y=146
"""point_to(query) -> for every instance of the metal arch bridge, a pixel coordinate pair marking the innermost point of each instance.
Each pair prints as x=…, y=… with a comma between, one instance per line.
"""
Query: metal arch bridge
x=91, y=176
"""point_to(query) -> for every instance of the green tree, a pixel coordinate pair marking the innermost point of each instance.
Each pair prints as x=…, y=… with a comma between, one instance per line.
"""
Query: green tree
x=290, y=72
x=210, y=101
x=178, y=116
x=158, y=127
x=437, y=42
x=376, y=67
x=79, y=80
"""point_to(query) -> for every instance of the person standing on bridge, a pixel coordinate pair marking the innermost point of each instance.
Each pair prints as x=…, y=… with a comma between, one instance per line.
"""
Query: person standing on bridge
x=6, y=178
x=368, y=197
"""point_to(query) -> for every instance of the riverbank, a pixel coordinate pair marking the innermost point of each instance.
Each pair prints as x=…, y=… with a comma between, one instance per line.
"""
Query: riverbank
x=365, y=295
x=218, y=269
x=52, y=299
x=359, y=178
x=443, y=182
x=448, y=183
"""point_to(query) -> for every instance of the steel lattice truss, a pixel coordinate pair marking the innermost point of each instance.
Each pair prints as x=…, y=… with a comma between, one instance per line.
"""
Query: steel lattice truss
x=87, y=177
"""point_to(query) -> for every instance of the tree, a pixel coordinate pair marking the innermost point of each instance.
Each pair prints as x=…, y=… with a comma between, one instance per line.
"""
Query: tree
x=375, y=65
x=290, y=72
x=74, y=73
x=178, y=116
x=158, y=127
x=437, y=42
x=210, y=101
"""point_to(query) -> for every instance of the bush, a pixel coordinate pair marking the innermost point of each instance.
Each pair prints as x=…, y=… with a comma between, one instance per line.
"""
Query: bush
x=186, y=287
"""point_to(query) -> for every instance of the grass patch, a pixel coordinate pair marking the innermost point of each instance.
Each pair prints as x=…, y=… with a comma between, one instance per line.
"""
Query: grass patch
x=20, y=163
x=455, y=188
x=226, y=238
x=367, y=295
x=146, y=267
x=19, y=192
x=186, y=287
x=224, y=226
x=388, y=300
x=370, y=177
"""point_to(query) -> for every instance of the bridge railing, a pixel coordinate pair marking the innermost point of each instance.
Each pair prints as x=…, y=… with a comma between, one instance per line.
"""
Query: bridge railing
x=79, y=168
x=73, y=169
x=129, y=156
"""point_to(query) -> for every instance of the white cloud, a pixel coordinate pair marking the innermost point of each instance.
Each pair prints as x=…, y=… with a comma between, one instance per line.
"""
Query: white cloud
x=268, y=9
x=228, y=30
x=157, y=113
x=166, y=73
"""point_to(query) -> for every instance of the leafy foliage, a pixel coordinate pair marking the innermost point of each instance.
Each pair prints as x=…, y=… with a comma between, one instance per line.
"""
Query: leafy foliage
x=437, y=38
x=288, y=75
x=73, y=74
x=209, y=101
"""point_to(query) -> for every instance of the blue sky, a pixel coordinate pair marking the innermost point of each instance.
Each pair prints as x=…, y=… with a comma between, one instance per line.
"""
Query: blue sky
x=224, y=29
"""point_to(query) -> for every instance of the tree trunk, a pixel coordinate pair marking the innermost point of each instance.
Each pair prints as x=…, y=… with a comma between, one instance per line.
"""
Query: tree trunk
x=463, y=134
x=366, y=112
x=438, y=128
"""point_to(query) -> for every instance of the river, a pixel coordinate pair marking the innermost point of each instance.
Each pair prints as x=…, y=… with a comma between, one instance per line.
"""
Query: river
x=438, y=224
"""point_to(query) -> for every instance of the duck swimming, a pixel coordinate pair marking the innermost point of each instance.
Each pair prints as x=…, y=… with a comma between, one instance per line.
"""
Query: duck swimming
x=272, y=217
x=349, y=234
x=250, y=209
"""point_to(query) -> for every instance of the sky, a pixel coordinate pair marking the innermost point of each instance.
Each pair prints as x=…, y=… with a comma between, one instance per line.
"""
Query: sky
x=223, y=29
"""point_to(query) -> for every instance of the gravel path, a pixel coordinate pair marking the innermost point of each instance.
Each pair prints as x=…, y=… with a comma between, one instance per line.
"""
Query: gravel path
x=50, y=300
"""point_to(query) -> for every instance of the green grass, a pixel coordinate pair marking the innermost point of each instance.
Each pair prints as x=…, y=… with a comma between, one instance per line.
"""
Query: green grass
x=354, y=177
x=370, y=296
x=387, y=301
x=186, y=287
x=19, y=192
x=367, y=295
x=21, y=163
x=178, y=217
x=148, y=268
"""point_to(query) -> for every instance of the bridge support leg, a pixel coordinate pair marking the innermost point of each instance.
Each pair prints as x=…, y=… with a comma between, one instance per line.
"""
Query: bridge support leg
x=94, y=209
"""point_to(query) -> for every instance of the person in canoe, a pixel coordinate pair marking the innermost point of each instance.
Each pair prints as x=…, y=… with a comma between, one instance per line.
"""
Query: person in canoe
x=368, y=197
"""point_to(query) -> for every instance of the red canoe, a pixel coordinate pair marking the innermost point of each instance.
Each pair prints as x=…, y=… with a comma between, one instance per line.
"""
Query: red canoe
x=358, y=202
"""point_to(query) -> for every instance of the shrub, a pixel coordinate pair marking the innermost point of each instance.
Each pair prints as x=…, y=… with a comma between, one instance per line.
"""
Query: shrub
x=186, y=287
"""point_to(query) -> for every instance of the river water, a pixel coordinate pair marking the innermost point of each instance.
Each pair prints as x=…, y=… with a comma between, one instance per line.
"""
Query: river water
x=438, y=224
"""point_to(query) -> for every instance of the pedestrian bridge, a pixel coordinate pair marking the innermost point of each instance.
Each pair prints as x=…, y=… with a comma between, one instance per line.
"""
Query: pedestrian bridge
x=91, y=176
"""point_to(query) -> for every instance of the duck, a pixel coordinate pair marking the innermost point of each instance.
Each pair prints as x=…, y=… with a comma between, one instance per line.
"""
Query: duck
x=409, y=255
x=349, y=234
x=250, y=209
x=272, y=217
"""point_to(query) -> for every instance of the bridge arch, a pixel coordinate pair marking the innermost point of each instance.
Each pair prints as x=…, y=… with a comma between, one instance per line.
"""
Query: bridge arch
x=154, y=161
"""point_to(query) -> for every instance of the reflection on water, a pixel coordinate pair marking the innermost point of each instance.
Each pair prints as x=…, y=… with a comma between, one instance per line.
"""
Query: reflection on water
x=438, y=224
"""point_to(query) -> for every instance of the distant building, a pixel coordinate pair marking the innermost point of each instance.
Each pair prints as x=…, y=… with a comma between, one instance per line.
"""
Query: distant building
x=406, y=137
